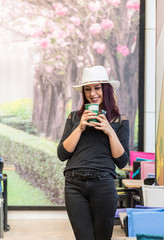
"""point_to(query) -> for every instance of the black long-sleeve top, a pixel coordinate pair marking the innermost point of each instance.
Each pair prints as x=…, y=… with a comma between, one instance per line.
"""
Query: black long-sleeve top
x=93, y=149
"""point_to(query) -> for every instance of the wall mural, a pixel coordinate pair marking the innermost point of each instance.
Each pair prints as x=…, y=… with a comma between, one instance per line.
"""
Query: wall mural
x=50, y=43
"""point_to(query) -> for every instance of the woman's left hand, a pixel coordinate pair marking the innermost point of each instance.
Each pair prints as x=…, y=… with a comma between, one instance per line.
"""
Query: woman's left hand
x=103, y=124
x=115, y=145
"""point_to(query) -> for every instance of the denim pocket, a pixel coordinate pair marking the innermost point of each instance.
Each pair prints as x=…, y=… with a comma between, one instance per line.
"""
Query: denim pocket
x=72, y=180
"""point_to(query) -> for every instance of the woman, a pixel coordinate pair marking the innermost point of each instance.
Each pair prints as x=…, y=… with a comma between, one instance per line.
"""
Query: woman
x=92, y=150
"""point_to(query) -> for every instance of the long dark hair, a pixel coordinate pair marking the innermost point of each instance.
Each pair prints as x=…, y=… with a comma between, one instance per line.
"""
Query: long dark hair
x=109, y=102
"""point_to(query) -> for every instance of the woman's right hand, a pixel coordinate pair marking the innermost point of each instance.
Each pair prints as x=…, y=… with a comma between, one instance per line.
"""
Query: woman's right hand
x=87, y=114
x=72, y=140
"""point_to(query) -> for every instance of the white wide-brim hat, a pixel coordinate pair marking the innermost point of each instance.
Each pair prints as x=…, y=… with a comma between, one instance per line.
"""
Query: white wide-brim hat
x=95, y=74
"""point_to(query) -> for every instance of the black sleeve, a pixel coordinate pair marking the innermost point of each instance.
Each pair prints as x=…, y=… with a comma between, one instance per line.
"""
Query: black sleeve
x=123, y=135
x=62, y=153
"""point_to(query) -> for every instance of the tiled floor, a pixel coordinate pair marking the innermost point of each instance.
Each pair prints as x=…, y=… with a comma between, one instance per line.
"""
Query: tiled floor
x=41, y=225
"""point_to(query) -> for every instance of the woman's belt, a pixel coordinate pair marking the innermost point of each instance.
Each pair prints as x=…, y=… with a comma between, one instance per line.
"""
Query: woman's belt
x=85, y=175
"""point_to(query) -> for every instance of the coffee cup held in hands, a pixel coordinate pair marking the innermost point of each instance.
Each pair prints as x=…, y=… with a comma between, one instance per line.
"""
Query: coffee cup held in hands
x=94, y=107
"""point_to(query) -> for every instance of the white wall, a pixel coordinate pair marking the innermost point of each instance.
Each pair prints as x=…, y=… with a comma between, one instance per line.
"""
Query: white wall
x=149, y=103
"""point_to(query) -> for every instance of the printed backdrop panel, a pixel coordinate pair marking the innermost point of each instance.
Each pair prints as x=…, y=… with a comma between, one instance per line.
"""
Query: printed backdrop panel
x=48, y=43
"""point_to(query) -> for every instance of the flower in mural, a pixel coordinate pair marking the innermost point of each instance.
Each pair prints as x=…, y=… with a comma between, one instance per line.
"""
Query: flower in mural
x=44, y=43
x=54, y=5
x=94, y=6
x=49, y=69
x=107, y=24
x=133, y=5
x=61, y=34
x=123, y=50
x=75, y=20
x=95, y=28
x=60, y=9
x=99, y=47
x=38, y=33
x=70, y=27
x=114, y=2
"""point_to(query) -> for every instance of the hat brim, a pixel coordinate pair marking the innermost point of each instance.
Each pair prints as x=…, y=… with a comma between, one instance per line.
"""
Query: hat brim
x=115, y=84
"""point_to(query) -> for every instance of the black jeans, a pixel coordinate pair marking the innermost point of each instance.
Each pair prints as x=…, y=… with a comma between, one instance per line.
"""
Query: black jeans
x=91, y=206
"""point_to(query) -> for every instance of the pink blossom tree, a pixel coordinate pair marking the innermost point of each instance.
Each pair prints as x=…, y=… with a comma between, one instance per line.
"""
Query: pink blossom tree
x=70, y=35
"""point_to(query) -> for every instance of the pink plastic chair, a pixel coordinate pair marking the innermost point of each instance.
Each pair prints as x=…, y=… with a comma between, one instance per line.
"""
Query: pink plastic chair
x=135, y=154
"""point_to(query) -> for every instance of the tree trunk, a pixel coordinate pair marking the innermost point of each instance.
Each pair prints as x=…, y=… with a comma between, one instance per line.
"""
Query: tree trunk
x=128, y=92
x=49, y=109
x=76, y=75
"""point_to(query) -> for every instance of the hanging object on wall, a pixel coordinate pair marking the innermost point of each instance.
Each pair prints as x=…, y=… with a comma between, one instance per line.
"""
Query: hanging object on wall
x=160, y=93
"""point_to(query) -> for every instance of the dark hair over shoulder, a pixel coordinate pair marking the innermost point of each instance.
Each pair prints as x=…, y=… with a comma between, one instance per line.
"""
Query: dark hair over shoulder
x=109, y=102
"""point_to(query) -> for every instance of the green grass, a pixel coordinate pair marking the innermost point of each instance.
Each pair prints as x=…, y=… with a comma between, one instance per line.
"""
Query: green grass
x=22, y=137
x=22, y=108
x=20, y=192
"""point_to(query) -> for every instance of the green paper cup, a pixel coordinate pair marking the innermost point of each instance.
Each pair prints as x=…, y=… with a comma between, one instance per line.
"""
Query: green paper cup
x=94, y=107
